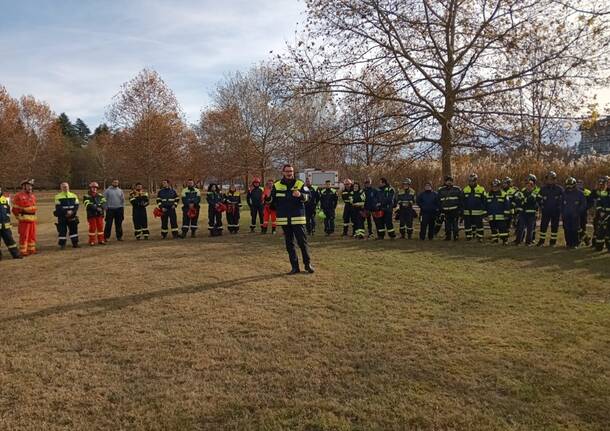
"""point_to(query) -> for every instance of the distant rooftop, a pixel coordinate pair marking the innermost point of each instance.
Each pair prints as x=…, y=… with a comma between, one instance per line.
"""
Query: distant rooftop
x=595, y=139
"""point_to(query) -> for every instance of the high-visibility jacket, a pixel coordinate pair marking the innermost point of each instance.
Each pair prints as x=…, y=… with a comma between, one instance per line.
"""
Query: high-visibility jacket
x=328, y=199
x=602, y=201
x=138, y=199
x=346, y=196
x=497, y=205
x=358, y=199
x=64, y=202
x=387, y=198
x=551, y=198
x=527, y=201
x=474, y=200
x=314, y=197
x=450, y=198
x=290, y=210
x=190, y=195
x=406, y=198
x=213, y=198
x=167, y=198
x=94, y=204
x=24, y=207
x=233, y=198
x=5, y=213
x=510, y=194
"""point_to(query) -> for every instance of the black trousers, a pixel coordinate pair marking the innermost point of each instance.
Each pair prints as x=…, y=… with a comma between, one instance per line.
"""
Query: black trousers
x=358, y=223
x=114, y=215
x=329, y=221
x=473, y=225
x=348, y=219
x=499, y=230
x=405, y=216
x=189, y=223
x=214, y=221
x=452, y=224
x=582, y=231
x=369, y=222
x=256, y=211
x=233, y=220
x=551, y=218
x=310, y=219
x=526, y=226
x=169, y=215
x=140, y=222
x=7, y=236
x=65, y=227
x=428, y=220
x=292, y=232
x=571, y=226
x=385, y=225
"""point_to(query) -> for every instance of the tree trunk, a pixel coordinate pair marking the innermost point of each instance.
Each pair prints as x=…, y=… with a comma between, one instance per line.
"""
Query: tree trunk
x=446, y=147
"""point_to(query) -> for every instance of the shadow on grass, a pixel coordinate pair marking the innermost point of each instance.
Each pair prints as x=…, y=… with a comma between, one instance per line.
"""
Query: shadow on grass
x=119, y=302
x=558, y=258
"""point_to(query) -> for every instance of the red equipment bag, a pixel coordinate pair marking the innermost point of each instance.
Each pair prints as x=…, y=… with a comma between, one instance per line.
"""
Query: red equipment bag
x=220, y=207
x=378, y=214
x=157, y=212
x=192, y=213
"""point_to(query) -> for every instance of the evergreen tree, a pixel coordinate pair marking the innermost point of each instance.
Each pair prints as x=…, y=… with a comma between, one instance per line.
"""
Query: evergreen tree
x=82, y=130
x=67, y=128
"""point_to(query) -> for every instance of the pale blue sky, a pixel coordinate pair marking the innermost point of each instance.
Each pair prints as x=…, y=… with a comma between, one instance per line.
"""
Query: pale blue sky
x=76, y=54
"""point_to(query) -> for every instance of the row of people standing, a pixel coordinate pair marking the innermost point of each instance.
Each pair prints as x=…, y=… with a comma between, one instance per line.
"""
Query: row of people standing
x=504, y=206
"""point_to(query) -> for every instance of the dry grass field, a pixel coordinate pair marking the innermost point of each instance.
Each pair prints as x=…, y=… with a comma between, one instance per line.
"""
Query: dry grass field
x=209, y=334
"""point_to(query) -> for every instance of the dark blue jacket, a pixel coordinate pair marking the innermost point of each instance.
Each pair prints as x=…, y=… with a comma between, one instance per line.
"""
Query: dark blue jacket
x=551, y=198
x=574, y=201
x=167, y=198
x=290, y=210
x=428, y=202
x=387, y=198
x=372, y=199
x=328, y=199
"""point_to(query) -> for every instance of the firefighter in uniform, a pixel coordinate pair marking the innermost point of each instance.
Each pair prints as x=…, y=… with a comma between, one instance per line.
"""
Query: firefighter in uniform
x=405, y=200
x=358, y=201
x=551, y=198
x=510, y=190
x=498, y=209
x=371, y=204
x=584, y=216
x=450, y=198
x=191, y=204
x=311, y=207
x=24, y=209
x=601, y=221
x=139, y=201
x=328, y=204
x=255, y=200
x=346, y=196
x=429, y=207
x=233, y=202
x=167, y=201
x=526, y=204
x=571, y=210
x=269, y=212
x=474, y=208
x=387, y=200
x=66, y=209
x=95, y=205
x=215, y=209
x=288, y=196
x=6, y=235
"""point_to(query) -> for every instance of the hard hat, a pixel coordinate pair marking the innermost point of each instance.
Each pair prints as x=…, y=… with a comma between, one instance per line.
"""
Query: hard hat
x=570, y=181
x=94, y=184
x=552, y=175
x=473, y=177
x=508, y=180
x=26, y=181
x=495, y=183
x=604, y=179
x=448, y=178
x=532, y=177
x=407, y=181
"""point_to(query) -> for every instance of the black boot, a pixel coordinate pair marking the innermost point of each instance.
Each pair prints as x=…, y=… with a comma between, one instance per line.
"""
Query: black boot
x=553, y=243
x=309, y=268
x=263, y=230
x=540, y=243
x=272, y=231
x=294, y=270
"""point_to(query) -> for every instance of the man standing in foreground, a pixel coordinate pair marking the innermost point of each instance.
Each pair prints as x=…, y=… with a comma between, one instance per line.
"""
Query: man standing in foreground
x=288, y=195
x=115, y=210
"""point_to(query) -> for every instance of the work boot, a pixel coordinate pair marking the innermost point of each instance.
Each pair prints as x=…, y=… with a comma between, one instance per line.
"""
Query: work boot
x=540, y=243
x=263, y=230
x=251, y=229
x=75, y=246
x=273, y=231
x=402, y=235
x=309, y=268
x=294, y=270
x=193, y=234
x=553, y=243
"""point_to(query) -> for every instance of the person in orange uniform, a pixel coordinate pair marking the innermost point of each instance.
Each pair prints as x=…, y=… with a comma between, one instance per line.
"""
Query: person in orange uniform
x=269, y=212
x=95, y=205
x=24, y=209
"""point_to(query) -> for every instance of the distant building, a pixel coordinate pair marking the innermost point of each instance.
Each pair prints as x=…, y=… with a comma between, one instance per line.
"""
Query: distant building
x=595, y=139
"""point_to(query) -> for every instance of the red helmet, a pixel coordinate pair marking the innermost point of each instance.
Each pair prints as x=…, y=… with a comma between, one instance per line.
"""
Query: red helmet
x=256, y=180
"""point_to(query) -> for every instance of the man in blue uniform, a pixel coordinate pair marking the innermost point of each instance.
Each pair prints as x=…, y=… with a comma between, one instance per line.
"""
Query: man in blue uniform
x=474, y=208
x=167, y=201
x=311, y=207
x=191, y=204
x=406, y=199
x=450, y=198
x=6, y=234
x=328, y=204
x=387, y=203
x=429, y=207
x=66, y=208
x=551, y=198
x=571, y=210
x=288, y=195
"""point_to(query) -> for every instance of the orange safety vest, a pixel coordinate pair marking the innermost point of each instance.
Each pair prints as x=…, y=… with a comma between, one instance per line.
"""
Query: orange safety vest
x=24, y=207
